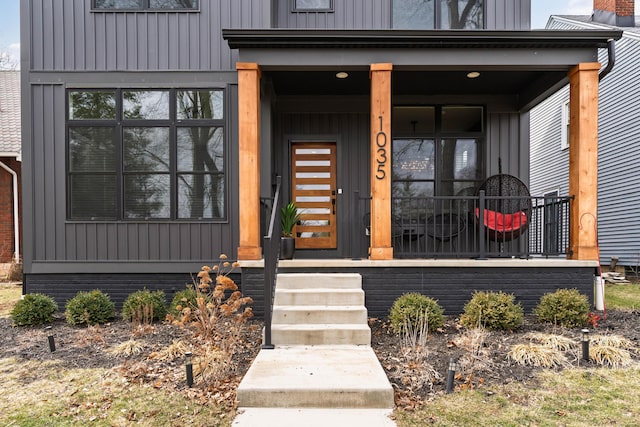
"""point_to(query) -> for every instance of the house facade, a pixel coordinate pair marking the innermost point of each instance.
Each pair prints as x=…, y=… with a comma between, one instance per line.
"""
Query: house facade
x=618, y=132
x=10, y=167
x=155, y=132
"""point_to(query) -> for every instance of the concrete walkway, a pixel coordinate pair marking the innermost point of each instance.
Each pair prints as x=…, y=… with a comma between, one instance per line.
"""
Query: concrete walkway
x=325, y=385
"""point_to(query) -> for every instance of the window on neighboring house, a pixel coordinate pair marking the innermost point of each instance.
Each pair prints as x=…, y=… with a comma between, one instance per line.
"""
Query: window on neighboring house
x=146, y=4
x=564, y=142
x=146, y=154
x=438, y=14
x=437, y=150
x=312, y=5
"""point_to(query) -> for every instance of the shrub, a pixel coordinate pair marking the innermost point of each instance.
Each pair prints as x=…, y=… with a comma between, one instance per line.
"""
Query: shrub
x=565, y=307
x=181, y=299
x=33, y=309
x=212, y=301
x=411, y=308
x=492, y=310
x=144, y=306
x=89, y=307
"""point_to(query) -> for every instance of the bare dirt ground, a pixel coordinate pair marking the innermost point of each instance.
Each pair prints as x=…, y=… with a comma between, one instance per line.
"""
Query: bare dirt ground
x=482, y=359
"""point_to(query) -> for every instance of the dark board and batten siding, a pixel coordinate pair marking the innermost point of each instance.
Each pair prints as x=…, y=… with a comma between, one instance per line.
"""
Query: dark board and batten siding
x=376, y=15
x=452, y=287
x=67, y=35
x=347, y=14
x=508, y=14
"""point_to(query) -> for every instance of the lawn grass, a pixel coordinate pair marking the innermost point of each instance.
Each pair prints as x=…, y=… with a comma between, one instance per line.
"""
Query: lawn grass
x=575, y=397
x=50, y=394
x=9, y=295
x=622, y=296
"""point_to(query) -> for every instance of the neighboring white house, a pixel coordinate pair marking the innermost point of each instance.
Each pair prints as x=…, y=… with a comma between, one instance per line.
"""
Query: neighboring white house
x=618, y=141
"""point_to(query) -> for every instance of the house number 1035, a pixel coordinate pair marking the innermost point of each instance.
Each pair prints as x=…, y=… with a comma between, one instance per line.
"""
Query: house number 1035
x=381, y=152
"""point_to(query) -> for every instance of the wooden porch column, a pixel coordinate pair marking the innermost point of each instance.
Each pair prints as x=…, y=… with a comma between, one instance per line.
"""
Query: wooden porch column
x=249, y=160
x=583, y=160
x=381, y=248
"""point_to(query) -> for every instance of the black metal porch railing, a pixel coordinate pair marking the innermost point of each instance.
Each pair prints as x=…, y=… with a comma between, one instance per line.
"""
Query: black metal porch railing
x=271, y=248
x=476, y=227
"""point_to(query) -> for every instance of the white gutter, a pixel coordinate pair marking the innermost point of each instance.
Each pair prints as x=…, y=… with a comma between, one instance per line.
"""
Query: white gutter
x=16, y=219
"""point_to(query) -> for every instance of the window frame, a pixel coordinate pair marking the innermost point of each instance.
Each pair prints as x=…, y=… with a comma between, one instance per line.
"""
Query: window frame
x=146, y=7
x=439, y=138
x=173, y=123
x=295, y=9
x=437, y=18
x=565, y=124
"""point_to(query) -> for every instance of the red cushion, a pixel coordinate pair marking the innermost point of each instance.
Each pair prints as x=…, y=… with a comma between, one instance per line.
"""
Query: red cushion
x=503, y=223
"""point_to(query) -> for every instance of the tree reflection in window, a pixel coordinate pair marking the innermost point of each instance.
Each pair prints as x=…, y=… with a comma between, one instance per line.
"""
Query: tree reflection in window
x=172, y=159
x=200, y=155
x=438, y=14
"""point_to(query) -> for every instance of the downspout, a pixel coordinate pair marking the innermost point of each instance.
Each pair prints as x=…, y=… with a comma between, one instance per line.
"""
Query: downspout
x=16, y=219
x=611, y=54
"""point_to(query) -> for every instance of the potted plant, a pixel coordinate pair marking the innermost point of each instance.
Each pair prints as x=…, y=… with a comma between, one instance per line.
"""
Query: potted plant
x=289, y=217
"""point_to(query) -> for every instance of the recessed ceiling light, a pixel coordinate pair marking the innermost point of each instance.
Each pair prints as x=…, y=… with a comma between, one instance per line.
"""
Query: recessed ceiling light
x=473, y=75
x=342, y=75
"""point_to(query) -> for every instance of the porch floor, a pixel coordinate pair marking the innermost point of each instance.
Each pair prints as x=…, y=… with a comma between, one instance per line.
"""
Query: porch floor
x=425, y=263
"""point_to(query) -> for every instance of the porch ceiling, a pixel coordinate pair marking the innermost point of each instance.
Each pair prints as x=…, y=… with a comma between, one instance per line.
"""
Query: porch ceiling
x=424, y=82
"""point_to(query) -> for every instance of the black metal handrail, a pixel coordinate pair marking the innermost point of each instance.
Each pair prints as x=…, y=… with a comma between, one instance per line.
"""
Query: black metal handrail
x=271, y=245
x=474, y=226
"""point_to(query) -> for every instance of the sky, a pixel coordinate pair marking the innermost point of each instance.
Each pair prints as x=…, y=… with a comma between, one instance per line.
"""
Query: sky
x=540, y=12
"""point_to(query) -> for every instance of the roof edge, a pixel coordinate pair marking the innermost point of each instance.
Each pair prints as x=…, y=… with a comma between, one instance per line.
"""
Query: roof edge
x=283, y=38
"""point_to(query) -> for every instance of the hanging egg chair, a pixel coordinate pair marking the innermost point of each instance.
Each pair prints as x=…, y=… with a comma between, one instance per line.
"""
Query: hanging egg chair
x=507, y=207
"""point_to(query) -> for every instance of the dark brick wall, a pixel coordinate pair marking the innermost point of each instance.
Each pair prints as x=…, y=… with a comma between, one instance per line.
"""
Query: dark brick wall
x=452, y=287
x=63, y=287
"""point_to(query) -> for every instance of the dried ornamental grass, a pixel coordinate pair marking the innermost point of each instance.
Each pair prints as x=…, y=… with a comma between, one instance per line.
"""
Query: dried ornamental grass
x=127, y=348
x=176, y=349
x=557, y=342
x=536, y=355
x=607, y=355
x=612, y=341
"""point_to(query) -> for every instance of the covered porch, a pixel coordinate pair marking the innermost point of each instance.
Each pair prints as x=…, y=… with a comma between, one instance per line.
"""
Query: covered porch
x=285, y=73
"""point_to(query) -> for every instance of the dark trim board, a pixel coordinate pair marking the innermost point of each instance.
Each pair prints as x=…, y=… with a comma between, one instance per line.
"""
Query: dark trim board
x=451, y=286
x=63, y=287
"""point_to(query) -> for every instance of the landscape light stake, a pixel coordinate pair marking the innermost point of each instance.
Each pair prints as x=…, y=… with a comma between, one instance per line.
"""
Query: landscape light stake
x=52, y=342
x=189, y=366
x=451, y=375
x=585, y=344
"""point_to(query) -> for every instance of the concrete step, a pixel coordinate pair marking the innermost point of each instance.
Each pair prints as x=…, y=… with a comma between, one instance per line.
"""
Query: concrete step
x=316, y=377
x=313, y=417
x=320, y=334
x=319, y=280
x=318, y=314
x=319, y=296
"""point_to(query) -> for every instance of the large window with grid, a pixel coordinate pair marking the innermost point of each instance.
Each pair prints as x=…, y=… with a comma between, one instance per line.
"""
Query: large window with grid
x=145, y=4
x=437, y=150
x=438, y=14
x=155, y=154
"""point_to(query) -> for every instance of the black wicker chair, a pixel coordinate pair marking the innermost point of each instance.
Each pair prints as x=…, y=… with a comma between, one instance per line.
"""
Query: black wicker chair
x=507, y=207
